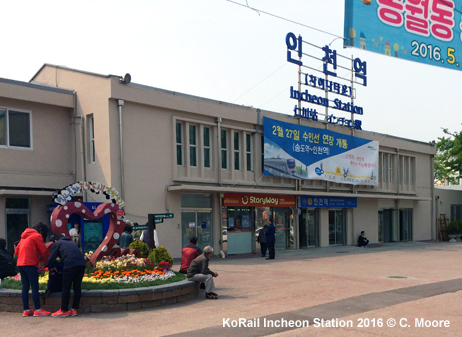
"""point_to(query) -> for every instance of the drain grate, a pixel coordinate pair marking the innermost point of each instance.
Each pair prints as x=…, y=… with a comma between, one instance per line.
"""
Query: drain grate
x=397, y=276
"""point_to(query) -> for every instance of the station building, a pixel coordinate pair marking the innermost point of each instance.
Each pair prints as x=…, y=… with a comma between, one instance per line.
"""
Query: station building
x=200, y=159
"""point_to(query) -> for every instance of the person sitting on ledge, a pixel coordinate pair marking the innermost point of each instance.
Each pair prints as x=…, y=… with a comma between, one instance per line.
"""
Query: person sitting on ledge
x=362, y=240
x=189, y=253
x=199, y=271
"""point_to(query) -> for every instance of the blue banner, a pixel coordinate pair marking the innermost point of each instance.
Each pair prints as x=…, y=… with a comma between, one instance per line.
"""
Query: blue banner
x=300, y=152
x=328, y=202
x=425, y=31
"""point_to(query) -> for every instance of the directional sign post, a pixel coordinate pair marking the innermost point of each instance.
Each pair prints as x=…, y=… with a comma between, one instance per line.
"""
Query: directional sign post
x=154, y=219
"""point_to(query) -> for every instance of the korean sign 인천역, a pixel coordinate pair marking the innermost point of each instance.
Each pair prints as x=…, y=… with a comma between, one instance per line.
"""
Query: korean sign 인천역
x=300, y=152
x=328, y=202
x=326, y=88
x=425, y=31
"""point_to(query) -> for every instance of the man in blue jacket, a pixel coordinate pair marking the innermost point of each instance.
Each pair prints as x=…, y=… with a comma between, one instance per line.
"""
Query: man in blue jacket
x=270, y=240
x=73, y=271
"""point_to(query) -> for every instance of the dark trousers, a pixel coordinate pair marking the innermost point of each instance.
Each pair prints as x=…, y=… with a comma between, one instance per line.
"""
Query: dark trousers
x=271, y=250
x=72, y=276
x=29, y=279
x=263, y=247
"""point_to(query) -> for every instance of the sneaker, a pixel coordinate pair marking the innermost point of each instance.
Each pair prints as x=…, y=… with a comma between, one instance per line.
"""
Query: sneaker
x=41, y=313
x=27, y=313
x=60, y=313
x=73, y=312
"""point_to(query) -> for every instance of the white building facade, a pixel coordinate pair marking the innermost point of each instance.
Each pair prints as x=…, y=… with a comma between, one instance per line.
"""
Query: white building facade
x=202, y=160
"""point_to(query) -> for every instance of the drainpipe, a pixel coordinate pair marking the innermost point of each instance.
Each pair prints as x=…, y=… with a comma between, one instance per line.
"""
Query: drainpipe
x=433, y=223
x=218, y=121
x=120, y=103
x=398, y=174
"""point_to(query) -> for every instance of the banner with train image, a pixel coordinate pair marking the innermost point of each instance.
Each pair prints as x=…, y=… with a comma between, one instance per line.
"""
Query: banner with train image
x=300, y=152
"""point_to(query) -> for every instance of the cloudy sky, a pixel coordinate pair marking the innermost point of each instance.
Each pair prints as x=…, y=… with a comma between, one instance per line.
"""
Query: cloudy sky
x=221, y=50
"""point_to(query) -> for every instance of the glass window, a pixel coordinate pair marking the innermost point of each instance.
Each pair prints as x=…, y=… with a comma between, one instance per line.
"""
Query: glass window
x=390, y=170
x=207, y=147
x=192, y=146
x=237, y=146
x=15, y=128
x=384, y=167
x=248, y=151
x=2, y=127
x=179, y=144
x=224, y=149
x=196, y=201
x=91, y=125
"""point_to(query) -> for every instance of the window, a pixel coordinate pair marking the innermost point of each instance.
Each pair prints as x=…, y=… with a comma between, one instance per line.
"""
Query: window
x=206, y=147
x=91, y=127
x=248, y=151
x=179, y=144
x=384, y=167
x=192, y=146
x=224, y=150
x=15, y=128
x=390, y=168
x=405, y=169
x=17, y=219
x=237, y=147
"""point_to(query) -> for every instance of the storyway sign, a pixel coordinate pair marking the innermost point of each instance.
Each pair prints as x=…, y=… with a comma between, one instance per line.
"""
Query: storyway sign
x=301, y=152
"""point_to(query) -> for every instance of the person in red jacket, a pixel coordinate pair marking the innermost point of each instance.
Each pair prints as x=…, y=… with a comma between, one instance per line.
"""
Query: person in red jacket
x=189, y=253
x=30, y=249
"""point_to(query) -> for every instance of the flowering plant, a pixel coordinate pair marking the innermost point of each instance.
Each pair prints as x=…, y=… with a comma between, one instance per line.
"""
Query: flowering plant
x=164, y=265
x=128, y=269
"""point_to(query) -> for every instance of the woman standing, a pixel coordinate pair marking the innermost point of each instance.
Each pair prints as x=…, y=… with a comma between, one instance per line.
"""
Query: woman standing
x=29, y=250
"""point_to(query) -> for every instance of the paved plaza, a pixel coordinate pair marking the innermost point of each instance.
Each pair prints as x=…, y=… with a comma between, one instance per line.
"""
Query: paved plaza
x=397, y=289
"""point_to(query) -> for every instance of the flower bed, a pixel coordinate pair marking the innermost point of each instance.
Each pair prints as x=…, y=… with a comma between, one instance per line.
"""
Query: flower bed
x=114, y=273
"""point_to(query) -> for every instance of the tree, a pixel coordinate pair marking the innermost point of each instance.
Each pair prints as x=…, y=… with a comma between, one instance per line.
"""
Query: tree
x=448, y=158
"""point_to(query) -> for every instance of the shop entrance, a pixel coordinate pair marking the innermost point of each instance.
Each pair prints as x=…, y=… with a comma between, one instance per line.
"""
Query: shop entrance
x=17, y=220
x=336, y=227
x=308, y=228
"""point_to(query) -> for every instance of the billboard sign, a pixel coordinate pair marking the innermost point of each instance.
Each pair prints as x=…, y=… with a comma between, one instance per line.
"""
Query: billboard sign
x=425, y=31
x=301, y=152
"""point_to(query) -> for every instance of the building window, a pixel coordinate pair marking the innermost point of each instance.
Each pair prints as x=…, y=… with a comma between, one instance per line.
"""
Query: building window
x=192, y=146
x=179, y=144
x=384, y=167
x=17, y=219
x=248, y=151
x=206, y=147
x=91, y=135
x=237, y=151
x=224, y=149
x=411, y=170
x=390, y=168
x=15, y=128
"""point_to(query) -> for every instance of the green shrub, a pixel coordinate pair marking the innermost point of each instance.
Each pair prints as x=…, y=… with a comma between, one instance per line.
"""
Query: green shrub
x=454, y=227
x=152, y=256
x=141, y=246
x=161, y=254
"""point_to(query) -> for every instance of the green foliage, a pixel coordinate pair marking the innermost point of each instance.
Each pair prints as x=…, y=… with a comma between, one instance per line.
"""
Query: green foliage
x=448, y=159
x=141, y=246
x=152, y=257
x=454, y=227
x=161, y=254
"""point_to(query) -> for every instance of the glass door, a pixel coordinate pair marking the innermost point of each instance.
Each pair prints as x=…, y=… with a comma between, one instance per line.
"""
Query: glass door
x=199, y=224
x=308, y=228
x=336, y=227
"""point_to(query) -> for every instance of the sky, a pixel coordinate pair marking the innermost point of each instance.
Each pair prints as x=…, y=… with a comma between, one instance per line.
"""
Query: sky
x=224, y=51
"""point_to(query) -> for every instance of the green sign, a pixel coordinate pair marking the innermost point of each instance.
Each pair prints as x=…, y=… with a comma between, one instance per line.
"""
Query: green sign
x=163, y=216
x=140, y=227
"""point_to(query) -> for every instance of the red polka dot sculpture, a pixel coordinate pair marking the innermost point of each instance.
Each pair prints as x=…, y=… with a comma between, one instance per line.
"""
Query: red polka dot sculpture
x=62, y=213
